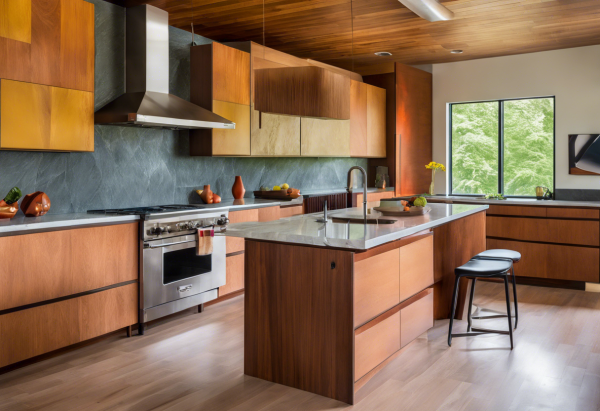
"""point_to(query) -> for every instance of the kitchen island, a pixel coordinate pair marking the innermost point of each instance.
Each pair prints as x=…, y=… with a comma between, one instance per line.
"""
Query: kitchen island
x=328, y=305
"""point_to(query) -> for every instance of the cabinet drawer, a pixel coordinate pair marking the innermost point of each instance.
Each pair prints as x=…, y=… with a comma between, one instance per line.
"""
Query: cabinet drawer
x=517, y=211
x=44, y=266
x=234, y=275
x=371, y=197
x=415, y=319
x=379, y=340
x=268, y=214
x=544, y=230
x=558, y=262
x=35, y=331
x=573, y=213
x=416, y=267
x=290, y=211
x=376, y=285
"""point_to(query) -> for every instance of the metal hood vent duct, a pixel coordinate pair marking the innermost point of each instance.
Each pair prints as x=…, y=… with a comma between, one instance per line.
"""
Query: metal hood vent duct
x=147, y=102
x=428, y=9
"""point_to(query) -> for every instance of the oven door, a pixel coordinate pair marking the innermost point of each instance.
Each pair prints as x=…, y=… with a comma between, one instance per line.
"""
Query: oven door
x=172, y=270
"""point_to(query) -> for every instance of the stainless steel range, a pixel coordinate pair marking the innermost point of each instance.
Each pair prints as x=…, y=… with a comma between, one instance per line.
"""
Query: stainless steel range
x=172, y=277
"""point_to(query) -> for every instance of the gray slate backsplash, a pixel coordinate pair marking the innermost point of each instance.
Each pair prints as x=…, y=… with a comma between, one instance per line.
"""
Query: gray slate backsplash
x=137, y=167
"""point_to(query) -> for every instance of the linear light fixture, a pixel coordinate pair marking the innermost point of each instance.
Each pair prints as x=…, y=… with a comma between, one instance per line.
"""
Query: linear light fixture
x=428, y=9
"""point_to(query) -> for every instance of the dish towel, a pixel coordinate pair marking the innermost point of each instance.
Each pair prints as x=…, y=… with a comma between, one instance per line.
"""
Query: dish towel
x=204, y=241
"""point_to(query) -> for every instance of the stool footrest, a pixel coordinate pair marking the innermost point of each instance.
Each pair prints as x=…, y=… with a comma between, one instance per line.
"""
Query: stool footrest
x=490, y=316
x=470, y=334
x=486, y=330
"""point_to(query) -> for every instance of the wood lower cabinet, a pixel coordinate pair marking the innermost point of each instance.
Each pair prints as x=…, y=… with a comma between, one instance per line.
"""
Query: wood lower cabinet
x=416, y=267
x=376, y=343
x=552, y=261
x=35, y=331
x=38, y=117
x=235, y=275
x=372, y=197
x=416, y=318
x=61, y=263
x=290, y=211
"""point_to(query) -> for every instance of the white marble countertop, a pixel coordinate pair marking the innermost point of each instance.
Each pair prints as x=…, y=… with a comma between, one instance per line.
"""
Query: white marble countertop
x=306, y=230
x=513, y=201
x=25, y=225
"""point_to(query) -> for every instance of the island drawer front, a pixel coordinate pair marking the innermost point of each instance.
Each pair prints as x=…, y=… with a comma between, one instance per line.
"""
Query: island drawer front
x=517, y=211
x=375, y=344
x=234, y=275
x=416, y=267
x=415, y=319
x=576, y=232
x=44, y=266
x=588, y=213
x=557, y=262
x=35, y=331
x=233, y=245
x=376, y=285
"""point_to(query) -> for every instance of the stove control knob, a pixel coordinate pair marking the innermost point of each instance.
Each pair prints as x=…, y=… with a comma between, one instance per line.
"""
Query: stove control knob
x=166, y=229
x=192, y=225
x=223, y=220
x=156, y=230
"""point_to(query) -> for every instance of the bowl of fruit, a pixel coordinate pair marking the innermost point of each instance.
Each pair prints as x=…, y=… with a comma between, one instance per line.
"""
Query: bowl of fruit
x=279, y=192
x=410, y=207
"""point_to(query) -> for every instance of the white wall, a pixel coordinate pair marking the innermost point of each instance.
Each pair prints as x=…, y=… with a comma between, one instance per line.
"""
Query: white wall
x=572, y=75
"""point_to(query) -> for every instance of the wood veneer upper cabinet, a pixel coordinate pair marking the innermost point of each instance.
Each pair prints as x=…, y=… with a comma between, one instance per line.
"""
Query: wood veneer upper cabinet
x=358, y=119
x=302, y=91
x=376, y=141
x=324, y=138
x=48, y=42
x=414, y=127
x=37, y=117
x=61, y=263
x=220, y=82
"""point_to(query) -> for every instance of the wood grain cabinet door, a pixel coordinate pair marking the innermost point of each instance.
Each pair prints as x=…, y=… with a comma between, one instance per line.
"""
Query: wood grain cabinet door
x=416, y=319
x=275, y=135
x=416, y=267
x=324, y=138
x=376, y=141
x=358, y=119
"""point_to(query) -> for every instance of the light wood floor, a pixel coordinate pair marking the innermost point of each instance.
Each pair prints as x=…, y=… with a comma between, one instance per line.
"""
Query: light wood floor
x=194, y=362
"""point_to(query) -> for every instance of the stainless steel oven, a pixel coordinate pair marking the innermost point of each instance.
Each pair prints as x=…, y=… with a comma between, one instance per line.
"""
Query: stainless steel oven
x=173, y=277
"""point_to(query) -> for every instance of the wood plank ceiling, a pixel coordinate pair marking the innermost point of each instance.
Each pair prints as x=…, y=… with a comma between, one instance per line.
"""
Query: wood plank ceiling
x=322, y=29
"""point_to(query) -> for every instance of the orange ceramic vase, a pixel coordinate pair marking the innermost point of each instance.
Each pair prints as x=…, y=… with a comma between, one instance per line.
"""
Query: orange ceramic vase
x=207, y=195
x=238, y=189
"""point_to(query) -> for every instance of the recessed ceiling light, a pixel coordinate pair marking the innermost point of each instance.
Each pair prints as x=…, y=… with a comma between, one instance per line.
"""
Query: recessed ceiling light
x=383, y=53
x=456, y=51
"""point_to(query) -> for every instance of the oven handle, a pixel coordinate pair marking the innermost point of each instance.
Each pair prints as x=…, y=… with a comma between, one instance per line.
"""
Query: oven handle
x=168, y=244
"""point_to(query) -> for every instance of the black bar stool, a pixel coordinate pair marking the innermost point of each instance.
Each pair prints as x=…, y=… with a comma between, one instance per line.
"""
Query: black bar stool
x=480, y=268
x=497, y=254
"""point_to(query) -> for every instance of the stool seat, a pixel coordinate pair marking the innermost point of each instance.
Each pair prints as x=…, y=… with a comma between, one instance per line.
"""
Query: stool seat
x=484, y=268
x=501, y=254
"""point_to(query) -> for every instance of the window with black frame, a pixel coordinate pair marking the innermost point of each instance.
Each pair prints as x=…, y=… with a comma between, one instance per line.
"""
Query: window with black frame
x=502, y=147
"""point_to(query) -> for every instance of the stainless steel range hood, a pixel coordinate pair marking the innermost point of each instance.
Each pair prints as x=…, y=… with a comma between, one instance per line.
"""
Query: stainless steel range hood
x=147, y=102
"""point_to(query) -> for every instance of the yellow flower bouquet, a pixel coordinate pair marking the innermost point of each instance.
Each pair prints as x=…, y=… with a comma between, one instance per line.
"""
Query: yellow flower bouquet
x=433, y=166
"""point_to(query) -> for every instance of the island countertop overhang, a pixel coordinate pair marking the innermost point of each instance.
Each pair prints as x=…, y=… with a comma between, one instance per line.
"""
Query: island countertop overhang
x=305, y=230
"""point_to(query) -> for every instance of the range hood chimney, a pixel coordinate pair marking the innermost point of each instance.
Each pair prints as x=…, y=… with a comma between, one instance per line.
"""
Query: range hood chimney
x=147, y=102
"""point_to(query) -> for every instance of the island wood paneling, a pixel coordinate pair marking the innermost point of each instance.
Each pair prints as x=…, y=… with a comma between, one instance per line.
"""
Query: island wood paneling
x=576, y=232
x=454, y=244
x=557, y=262
x=414, y=126
x=298, y=322
x=416, y=267
x=61, y=263
x=302, y=91
x=377, y=285
x=376, y=344
x=34, y=331
x=60, y=50
x=416, y=318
